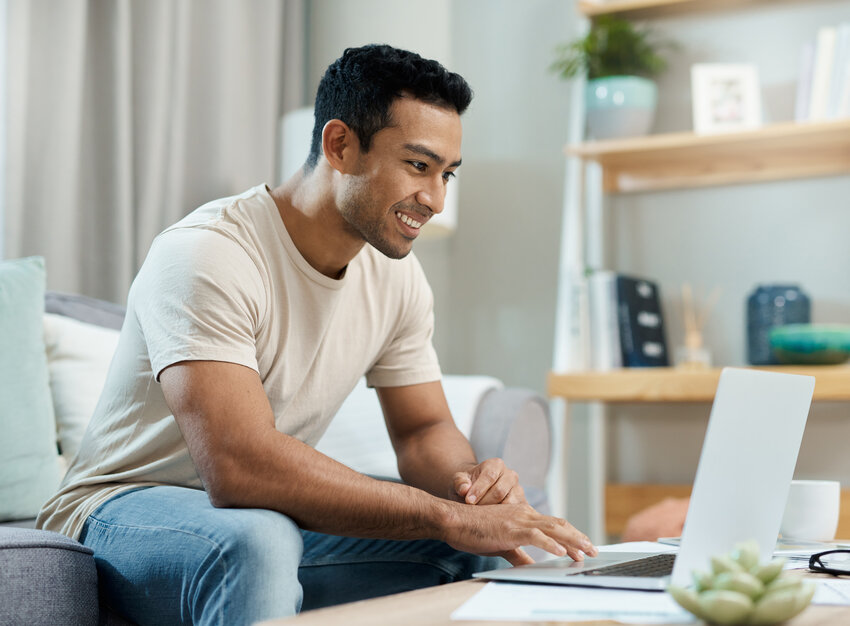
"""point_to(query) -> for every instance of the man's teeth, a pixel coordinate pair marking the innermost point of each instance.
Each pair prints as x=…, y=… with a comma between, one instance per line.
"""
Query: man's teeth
x=407, y=220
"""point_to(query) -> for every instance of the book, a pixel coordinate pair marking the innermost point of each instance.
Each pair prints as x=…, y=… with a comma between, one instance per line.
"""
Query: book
x=841, y=61
x=804, y=82
x=572, y=336
x=844, y=106
x=641, y=324
x=822, y=73
x=605, y=351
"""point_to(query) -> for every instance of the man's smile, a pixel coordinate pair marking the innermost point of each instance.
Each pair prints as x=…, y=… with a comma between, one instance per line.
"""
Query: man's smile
x=408, y=220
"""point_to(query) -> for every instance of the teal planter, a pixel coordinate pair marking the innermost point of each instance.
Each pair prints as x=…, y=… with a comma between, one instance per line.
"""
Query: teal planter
x=620, y=106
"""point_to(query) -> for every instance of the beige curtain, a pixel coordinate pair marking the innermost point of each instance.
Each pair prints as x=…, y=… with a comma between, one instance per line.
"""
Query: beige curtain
x=124, y=115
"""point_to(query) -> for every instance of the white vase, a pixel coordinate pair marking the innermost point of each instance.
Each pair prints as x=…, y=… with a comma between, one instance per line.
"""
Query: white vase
x=620, y=106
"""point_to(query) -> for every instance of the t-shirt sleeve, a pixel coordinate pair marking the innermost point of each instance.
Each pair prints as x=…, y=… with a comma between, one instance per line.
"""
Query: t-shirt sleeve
x=198, y=297
x=409, y=357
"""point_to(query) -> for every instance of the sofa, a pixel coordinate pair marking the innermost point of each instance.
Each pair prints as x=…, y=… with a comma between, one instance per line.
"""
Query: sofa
x=55, y=350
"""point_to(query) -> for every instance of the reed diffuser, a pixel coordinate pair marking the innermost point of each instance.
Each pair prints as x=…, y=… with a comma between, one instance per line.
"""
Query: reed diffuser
x=693, y=354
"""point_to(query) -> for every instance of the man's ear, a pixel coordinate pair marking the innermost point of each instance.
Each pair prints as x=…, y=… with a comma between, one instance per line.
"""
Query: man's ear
x=339, y=144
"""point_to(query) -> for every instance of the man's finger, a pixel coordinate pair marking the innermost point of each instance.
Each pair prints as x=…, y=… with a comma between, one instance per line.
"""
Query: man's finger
x=462, y=482
x=495, y=493
x=494, y=488
x=517, y=556
x=484, y=476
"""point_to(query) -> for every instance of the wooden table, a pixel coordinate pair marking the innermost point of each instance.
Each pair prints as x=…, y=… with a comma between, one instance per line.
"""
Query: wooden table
x=433, y=607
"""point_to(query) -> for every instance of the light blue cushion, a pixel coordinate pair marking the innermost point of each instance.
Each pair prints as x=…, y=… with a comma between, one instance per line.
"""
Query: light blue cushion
x=29, y=467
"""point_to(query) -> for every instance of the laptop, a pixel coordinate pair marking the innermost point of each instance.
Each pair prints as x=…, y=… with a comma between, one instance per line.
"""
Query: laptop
x=739, y=493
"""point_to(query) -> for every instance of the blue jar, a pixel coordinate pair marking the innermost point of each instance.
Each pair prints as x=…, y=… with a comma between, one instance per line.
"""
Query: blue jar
x=769, y=306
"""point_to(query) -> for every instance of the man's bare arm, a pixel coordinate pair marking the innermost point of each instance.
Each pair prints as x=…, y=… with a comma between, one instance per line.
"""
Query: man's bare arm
x=227, y=422
x=434, y=455
x=429, y=447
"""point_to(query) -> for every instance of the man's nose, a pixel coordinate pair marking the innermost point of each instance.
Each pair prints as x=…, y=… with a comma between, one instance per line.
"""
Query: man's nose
x=433, y=195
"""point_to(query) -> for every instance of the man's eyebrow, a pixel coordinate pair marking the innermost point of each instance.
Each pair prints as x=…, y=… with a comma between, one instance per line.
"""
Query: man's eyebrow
x=420, y=149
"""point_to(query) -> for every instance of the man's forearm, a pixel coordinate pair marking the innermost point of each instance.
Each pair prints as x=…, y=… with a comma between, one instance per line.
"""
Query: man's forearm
x=321, y=494
x=430, y=457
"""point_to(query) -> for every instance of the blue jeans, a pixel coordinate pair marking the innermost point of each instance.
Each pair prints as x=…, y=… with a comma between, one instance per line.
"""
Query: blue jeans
x=165, y=555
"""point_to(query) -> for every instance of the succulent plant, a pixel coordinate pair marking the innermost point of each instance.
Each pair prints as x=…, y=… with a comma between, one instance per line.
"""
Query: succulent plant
x=739, y=590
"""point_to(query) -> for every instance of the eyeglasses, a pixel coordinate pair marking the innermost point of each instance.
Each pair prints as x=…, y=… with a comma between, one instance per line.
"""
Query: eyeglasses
x=835, y=562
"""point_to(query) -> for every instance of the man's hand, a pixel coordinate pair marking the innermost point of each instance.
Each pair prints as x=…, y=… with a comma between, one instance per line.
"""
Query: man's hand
x=500, y=530
x=490, y=482
x=493, y=483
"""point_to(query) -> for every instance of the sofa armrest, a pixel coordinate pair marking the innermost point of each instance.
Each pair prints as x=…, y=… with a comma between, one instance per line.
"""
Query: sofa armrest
x=513, y=424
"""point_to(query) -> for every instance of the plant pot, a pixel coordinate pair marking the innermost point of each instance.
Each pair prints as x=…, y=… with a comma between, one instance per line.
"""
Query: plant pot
x=620, y=106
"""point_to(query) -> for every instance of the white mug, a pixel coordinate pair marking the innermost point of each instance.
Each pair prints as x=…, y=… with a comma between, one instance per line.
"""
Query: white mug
x=811, y=512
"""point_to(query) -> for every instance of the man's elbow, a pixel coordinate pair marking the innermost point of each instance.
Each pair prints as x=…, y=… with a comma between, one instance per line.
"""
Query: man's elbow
x=225, y=483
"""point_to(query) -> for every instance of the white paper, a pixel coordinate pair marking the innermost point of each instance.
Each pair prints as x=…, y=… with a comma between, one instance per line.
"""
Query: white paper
x=543, y=603
x=499, y=601
x=832, y=591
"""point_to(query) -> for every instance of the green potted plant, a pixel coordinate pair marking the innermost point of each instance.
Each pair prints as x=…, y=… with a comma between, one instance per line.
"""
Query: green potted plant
x=619, y=61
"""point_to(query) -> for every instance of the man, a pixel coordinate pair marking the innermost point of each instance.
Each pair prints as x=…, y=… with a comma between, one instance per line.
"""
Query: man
x=197, y=485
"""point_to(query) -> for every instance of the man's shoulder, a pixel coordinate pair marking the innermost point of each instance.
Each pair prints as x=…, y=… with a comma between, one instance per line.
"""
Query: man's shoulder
x=219, y=213
x=214, y=243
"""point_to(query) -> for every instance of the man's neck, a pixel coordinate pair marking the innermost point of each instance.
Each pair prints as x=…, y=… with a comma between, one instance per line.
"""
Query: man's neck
x=309, y=213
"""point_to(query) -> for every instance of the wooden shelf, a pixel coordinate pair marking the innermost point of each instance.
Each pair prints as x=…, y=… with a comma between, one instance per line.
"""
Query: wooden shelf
x=664, y=384
x=624, y=500
x=775, y=152
x=657, y=8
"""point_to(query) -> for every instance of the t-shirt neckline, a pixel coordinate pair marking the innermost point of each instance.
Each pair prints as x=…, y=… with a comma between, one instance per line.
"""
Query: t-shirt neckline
x=295, y=254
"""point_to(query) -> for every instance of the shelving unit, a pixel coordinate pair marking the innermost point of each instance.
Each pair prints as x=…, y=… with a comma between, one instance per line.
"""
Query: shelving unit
x=657, y=8
x=666, y=384
x=612, y=504
x=774, y=152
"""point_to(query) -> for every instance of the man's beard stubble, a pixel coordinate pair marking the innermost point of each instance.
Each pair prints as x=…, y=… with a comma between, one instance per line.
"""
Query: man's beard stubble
x=355, y=211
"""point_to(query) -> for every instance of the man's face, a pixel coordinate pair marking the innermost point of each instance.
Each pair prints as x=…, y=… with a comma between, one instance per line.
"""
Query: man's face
x=401, y=182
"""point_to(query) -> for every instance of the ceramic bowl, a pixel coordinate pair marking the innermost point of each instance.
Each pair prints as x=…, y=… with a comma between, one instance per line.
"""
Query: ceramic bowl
x=811, y=344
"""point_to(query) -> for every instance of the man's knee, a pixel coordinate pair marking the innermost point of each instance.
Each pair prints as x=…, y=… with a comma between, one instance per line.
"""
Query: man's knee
x=262, y=538
x=254, y=568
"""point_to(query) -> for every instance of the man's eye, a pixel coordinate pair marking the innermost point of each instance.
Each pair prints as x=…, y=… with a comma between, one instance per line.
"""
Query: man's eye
x=447, y=176
x=419, y=165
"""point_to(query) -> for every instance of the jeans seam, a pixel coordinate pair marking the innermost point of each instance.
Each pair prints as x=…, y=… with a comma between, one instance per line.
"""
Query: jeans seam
x=333, y=560
x=214, y=544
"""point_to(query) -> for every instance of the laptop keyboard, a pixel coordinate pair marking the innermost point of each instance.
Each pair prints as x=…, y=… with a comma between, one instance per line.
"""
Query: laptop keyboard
x=654, y=566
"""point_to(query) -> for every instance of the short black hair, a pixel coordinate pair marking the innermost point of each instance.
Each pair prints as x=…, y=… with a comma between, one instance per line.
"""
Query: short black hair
x=360, y=86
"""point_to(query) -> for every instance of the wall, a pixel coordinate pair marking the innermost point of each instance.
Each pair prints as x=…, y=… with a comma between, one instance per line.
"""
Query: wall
x=505, y=255
x=494, y=281
x=733, y=237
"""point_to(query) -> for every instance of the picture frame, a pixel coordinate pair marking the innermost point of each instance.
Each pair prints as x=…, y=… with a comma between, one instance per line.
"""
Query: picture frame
x=726, y=97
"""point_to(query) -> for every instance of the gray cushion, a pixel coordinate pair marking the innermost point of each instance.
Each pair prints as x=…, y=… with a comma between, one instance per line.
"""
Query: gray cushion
x=85, y=309
x=46, y=578
x=513, y=423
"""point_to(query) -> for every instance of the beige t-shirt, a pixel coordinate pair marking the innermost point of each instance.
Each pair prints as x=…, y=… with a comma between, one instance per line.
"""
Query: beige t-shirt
x=227, y=283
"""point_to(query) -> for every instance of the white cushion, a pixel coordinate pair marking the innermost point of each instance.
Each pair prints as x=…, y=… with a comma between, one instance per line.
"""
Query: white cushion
x=78, y=358
x=357, y=436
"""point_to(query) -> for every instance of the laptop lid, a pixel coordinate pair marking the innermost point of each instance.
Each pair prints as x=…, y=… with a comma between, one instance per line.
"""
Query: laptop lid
x=746, y=466
x=745, y=469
